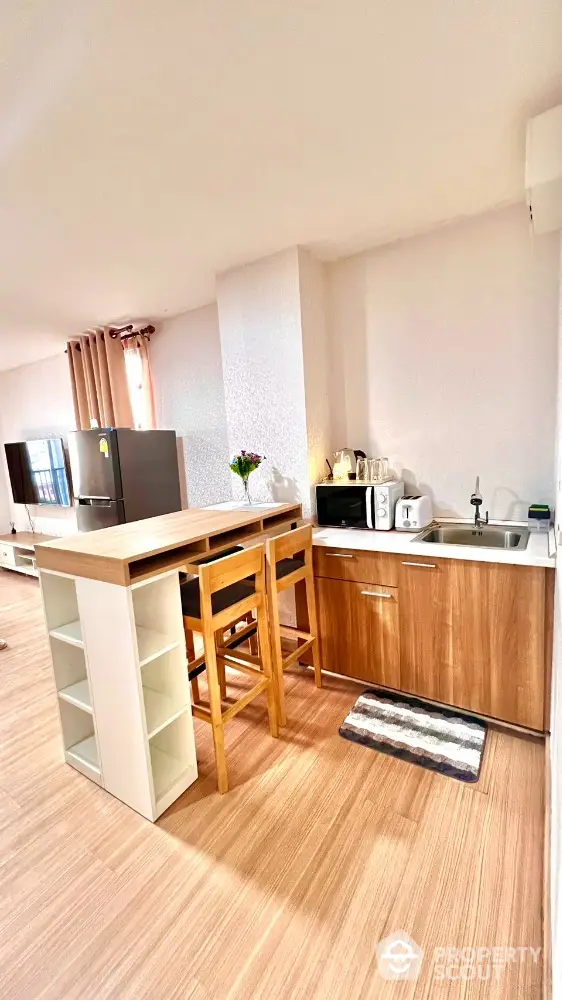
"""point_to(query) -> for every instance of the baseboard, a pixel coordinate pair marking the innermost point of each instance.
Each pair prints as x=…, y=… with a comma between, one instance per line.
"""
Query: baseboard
x=510, y=727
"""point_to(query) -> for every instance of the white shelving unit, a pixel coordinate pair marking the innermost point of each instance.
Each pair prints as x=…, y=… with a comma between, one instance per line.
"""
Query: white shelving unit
x=17, y=552
x=60, y=601
x=123, y=690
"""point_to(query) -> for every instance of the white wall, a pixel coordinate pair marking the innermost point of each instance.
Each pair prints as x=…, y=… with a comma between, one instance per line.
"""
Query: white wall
x=273, y=327
x=36, y=402
x=186, y=365
x=444, y=359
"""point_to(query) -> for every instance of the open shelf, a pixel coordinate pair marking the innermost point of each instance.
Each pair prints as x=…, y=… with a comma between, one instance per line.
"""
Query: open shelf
x=284, y=520
x=78, y=694
x=151, y=644
x=71, y=632
x=85, y=752
x=160, y=710
x=142, y=570
x=61, y=607
x=78, y=732
x=228, y=538
x=172, y=753
x=157, y=622
x=165, y=689
x=165, y=770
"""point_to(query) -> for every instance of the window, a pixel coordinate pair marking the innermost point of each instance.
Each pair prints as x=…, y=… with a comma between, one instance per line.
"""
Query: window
x=139, y=383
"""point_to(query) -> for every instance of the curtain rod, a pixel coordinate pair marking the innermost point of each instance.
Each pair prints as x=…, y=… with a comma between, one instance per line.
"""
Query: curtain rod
x=126, y=333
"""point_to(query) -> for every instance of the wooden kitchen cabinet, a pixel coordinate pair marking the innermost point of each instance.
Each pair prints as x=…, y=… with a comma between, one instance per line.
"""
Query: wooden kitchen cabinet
x=358, y=624
x=498, y=651
x=473, y=635
x=425, y=626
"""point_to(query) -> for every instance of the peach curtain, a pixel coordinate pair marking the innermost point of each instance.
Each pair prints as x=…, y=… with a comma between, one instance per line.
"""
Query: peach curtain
x=139, y=378
x=99, y=381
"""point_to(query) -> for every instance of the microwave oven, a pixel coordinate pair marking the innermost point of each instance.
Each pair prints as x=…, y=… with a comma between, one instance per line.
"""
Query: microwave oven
x=358, y=505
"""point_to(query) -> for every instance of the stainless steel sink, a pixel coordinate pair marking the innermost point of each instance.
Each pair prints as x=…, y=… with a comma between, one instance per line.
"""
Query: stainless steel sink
x=489, y=536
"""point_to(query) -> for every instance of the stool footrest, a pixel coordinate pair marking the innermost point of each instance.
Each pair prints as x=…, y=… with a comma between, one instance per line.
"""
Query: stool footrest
x=290, y=632
x=242, y=702
x=240, y=635
x=200, y=712
x=243, y=668
x=195, y=667
x=297, y=653
x=226, y=654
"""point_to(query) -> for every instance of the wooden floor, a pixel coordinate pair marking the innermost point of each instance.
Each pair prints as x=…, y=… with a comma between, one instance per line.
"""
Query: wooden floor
x=280, y=889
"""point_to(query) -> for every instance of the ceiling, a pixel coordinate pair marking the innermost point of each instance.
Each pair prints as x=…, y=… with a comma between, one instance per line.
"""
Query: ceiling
x=145, y=147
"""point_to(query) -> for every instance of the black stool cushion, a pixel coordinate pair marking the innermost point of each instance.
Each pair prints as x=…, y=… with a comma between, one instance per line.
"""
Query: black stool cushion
x=286, y=566
x=220, y=600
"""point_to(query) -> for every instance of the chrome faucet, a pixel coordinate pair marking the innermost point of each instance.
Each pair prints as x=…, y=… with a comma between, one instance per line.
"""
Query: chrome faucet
x=476, y=501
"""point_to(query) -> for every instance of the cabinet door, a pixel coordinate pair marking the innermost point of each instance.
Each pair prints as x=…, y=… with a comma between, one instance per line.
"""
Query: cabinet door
x=498, y=621
x=358, y=627
x=425, y=628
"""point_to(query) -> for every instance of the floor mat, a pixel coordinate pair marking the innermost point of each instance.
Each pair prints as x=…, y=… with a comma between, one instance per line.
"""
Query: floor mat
x=439, y=739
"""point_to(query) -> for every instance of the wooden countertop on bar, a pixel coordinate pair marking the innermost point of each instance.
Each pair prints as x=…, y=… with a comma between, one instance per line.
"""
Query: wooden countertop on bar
x=128, y=553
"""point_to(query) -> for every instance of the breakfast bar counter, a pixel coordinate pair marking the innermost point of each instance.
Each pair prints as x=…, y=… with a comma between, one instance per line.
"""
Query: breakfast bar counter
x=114, y=618
x=131, y=552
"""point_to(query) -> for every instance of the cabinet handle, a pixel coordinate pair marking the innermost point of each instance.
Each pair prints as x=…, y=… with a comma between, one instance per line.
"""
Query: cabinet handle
x=375, y=593
x=421, y=565
x=338, y=555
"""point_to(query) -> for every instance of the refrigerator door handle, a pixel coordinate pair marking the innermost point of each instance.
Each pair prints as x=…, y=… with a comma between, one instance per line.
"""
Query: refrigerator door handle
x=94, y=501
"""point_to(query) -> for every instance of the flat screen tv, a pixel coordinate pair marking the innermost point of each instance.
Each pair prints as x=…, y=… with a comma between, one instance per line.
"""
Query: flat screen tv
x=38, y=472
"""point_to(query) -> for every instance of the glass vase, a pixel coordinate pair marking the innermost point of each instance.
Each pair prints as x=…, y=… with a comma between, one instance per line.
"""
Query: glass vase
x=246, y=491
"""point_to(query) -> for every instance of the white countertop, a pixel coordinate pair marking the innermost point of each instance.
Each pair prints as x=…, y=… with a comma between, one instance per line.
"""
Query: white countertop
x=540, y=549
x=539, y=552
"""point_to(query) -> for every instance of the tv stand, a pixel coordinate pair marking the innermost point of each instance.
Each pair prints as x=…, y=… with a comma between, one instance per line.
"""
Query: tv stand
x=17, y=552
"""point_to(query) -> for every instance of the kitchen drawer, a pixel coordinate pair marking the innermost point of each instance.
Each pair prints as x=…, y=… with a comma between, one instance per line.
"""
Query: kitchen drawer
x=357, y=567
x=7, y=555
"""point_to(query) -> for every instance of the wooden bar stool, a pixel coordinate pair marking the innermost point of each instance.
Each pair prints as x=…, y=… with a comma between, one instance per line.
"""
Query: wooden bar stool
x=225, y=591
x=288, y=562
x=235, y=637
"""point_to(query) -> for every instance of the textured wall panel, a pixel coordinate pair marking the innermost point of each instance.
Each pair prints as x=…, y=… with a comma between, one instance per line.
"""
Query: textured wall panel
x=262, y=356
x=185, y=354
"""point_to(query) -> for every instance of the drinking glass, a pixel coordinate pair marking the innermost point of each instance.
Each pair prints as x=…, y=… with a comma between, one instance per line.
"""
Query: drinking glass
x=384, y=468
x=375, y=467
x=362, y=470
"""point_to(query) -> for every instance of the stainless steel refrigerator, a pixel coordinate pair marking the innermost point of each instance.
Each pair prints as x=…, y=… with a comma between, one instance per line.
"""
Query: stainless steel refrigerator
x=121, y=475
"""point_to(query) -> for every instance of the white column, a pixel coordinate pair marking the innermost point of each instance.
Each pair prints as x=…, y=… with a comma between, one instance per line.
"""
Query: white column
x=274, y=355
